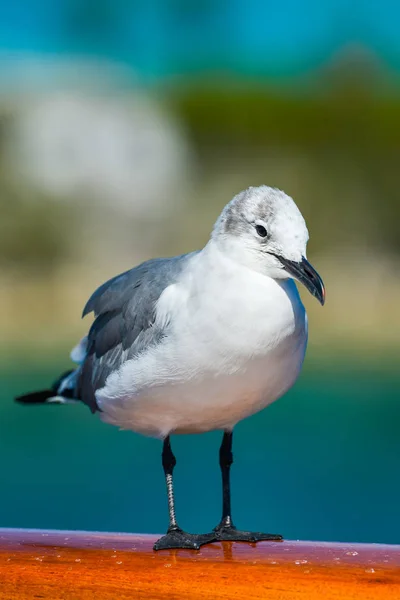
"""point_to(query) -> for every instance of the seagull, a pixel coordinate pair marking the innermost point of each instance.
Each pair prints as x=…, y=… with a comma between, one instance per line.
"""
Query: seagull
x=198, y=342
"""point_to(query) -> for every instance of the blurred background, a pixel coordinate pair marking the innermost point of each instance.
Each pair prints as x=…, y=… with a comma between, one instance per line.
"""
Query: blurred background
x=125, y=126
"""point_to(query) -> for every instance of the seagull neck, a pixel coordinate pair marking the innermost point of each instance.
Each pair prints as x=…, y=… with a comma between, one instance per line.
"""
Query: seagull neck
x=213, y=256
x=215, y=263
x=229, y=259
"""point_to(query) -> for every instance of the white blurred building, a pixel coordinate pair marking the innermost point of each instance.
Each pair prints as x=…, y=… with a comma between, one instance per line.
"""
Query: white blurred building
x=87, y=137
x=118, y=150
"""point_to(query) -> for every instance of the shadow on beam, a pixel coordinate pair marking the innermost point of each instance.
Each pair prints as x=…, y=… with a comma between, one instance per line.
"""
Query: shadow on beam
x=79, y=565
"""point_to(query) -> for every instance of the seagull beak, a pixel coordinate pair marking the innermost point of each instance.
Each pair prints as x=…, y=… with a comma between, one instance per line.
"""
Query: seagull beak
x=307, y=275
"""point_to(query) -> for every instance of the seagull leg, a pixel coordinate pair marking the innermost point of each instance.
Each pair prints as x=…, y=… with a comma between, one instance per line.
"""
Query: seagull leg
x=226, y=531
x=175, y=536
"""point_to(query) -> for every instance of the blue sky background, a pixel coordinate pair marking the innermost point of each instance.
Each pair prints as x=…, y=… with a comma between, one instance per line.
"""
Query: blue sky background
x=167, y=37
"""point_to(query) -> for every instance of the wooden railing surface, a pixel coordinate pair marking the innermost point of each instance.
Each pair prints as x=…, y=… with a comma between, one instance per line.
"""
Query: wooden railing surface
x=55, y=565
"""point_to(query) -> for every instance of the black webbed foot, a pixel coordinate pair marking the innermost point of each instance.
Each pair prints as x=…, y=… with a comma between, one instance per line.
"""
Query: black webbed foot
x=229, y=533
x=177, y=538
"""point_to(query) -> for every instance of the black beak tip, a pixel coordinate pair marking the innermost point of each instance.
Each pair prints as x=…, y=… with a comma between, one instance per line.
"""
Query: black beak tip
x=305, y=273
x=315, y=285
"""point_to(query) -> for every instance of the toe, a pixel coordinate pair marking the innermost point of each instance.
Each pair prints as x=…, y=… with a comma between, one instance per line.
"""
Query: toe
x=230, y=534
x=181, y=539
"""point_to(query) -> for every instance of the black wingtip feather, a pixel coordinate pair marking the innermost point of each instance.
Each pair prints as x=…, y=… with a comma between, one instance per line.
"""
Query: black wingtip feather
x=35, y=397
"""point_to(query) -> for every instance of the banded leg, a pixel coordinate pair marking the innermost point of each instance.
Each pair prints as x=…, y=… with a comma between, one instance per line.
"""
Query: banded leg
x=175, y=536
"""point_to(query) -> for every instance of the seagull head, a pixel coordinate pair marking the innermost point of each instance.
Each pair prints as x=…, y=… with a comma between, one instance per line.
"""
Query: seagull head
x=263, y=229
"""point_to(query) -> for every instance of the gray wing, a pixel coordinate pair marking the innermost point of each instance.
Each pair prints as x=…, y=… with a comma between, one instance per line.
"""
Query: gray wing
x=124, y=321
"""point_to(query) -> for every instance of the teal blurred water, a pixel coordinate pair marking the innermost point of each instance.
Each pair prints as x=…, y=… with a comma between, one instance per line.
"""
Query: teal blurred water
x=322, y=464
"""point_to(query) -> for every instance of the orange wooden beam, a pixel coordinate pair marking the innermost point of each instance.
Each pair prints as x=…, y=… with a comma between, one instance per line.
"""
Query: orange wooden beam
x=82, y=566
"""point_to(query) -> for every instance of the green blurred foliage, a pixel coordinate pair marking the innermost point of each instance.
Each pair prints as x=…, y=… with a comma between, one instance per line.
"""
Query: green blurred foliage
x=346, y=135
x=34, y=230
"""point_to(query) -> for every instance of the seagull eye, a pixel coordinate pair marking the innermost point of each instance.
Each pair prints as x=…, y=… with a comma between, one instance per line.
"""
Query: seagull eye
x=262, y=232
